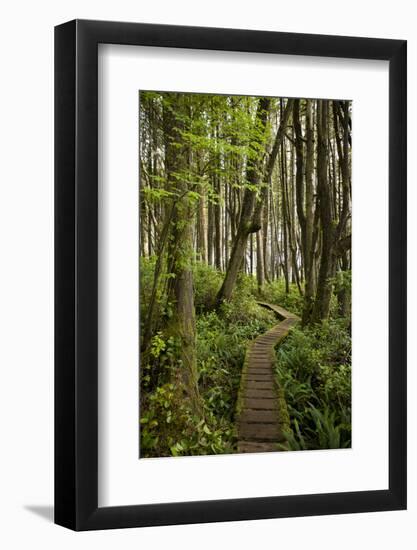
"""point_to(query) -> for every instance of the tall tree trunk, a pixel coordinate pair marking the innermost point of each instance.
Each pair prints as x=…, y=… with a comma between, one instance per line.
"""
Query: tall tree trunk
x=180, y=294
x=284, y=217
x=343, y=243
x=217, y=225
x=265, y=235
x=217, y=205
x=309, y=218
x=142, y=233
x=324, y=285
x=260, y=268
x=210, y=230
x=299, y=176
x=290, y=190
x=201, y=229
x=343, y=294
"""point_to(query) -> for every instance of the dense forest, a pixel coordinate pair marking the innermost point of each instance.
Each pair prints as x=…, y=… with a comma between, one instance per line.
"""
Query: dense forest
x=243, y=200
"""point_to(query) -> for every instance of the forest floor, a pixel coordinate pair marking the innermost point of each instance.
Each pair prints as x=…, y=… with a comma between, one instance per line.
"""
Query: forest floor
x=311, y=368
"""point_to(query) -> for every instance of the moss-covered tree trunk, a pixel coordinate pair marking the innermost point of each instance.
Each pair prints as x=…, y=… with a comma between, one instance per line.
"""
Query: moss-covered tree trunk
x=180, y=322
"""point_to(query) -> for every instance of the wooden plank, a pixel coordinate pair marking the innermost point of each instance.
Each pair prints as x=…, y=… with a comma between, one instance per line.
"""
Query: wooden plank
x=261, y=432
x=260, y=369
x=265, y=404
x=255, y=447
x=259, y=376
x=261, y=394
x=256, y=385
x=256, y=416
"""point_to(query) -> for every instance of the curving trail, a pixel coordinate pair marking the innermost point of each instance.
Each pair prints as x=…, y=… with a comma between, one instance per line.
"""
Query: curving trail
x=262, y=409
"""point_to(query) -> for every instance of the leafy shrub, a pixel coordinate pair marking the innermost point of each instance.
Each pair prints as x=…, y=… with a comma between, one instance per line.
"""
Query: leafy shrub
x=314, y=370
x=146, y=268
x=244, y=311
x=222, y=339
x=319, y=429
x=274, y=292
x=168, y=426
x=207, y=281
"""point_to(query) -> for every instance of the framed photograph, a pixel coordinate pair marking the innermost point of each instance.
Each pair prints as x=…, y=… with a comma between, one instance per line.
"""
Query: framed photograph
x=230, y=255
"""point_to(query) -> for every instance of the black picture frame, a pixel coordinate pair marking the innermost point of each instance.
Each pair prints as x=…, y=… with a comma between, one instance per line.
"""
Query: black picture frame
x=76, y=272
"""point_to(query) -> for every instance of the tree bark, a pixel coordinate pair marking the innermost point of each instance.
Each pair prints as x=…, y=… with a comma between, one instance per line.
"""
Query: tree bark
x=260, y=267
x=309, y=218
x=201, y=230
x=324, y=285
x=180, y=293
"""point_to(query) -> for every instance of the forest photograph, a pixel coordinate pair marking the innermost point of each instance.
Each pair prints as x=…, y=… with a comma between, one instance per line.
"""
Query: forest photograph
x=245, y=221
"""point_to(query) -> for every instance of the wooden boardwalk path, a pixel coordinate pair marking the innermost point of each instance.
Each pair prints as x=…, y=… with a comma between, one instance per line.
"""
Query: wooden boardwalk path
x=262, y=409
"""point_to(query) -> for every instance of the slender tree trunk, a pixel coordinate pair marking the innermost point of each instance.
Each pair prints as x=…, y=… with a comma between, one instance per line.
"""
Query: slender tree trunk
x=290, y=189
x=343, y=296
x=210, y=230
x=299, y=176
x=265, y=235
x=324, y=285
x=148, y=326
x=201, y=230
x=142, y=225
x=217, y=225
x=284, y=217
x=341, y=112
x=217, y=206
x=309, y=218
x=260, y=268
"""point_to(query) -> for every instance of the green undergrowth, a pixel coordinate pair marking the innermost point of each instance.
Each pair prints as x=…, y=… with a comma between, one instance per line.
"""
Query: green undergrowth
x=168, y=425
x=314, y=370
x=275, y=293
